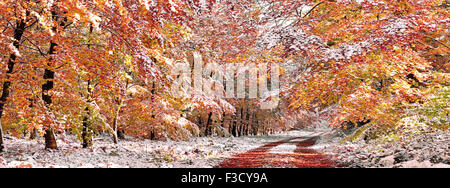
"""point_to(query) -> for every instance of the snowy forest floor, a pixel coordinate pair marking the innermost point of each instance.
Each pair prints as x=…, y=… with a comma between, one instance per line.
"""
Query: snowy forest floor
x=414, y=146
x=203, y=152
x=426, y=147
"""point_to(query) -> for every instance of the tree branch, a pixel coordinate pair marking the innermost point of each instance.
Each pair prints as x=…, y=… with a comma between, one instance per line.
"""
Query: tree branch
x=314, y=7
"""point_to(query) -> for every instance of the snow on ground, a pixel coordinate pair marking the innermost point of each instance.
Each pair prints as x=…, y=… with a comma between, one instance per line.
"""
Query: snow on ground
x=418, y=146
x=424, y=147
x=133, y=153
x=286, y=148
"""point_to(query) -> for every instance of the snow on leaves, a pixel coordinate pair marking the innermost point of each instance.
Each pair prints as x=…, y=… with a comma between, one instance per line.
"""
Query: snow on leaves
x=358, y=54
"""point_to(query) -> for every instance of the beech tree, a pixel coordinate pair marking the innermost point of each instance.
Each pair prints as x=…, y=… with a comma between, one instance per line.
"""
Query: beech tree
x=18, y=30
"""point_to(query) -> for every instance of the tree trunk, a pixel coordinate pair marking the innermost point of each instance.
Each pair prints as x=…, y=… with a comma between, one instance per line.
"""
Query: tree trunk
x=200, y=122
x=247, y=125
x=115, y=138
x=18, y=33
x=152, y=135
x=115, y=124
x=223, y=120
x=255, y=128
x=49, y=76
x=50, y=139
x=233, y=129
x=241, y=130
x=34, y=134
x=86, y=134
x=208, y=131
x=2, y=147
x=238, y=130
x=257, y=122
x=121, y=134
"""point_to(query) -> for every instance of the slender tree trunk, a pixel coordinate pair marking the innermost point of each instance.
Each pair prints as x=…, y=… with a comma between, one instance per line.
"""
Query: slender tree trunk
x=34, y=134
x=265, y=128
x=200, y=122
x=255, y=128
x=18, y=33
x=242, y=116
x=252, y=124
x=86, y=134
x=239, y=125
x=115, y=123
x=223, y=120
x=247, y=125
x=2, y=147
x=208, y=131
x=49, y=76
x=238, y=130
x=115, y=138
x=241, y=130
x=233, y=129
x=121, y=134
x=152, y=135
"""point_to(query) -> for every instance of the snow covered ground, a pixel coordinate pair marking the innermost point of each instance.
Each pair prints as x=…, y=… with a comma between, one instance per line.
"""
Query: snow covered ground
x=418, y=146
x=132, y=153
x=422, y=147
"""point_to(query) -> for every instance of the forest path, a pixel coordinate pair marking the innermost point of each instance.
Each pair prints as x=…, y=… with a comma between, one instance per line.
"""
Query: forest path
x=289, y=153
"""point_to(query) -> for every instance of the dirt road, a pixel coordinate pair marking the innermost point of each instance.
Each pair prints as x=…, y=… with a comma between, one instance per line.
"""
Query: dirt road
x=290, y=153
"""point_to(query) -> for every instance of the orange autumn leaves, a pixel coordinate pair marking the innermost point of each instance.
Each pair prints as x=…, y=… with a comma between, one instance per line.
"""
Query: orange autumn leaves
x=375, y=61
x=367, y=60
x=98, y=52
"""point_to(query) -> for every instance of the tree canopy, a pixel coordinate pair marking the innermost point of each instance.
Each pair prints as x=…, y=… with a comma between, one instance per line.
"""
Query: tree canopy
x=89, y=67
